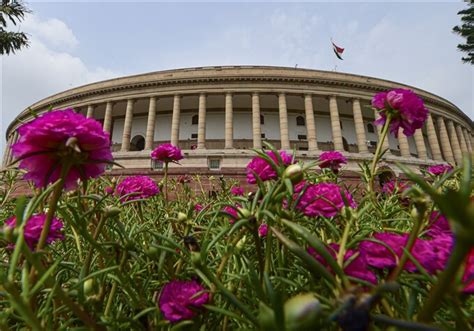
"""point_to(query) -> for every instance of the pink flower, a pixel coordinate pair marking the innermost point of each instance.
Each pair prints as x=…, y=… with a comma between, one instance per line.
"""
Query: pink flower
x=180, y=299
x=260, y=168
x=332, y=160
x=406, y=108
x=439, y=225
x=262, y=230
x=232, y=213
x=440, y=169
x=137, y=187
x=237, y=191
x=183, y=179
x=394, y=186
x=198, y=207
x=357, y=267
x=109, y=190
x=323, y=199
x=34, y=226
x=167, y=153
x=55, y=138
x=468, y=277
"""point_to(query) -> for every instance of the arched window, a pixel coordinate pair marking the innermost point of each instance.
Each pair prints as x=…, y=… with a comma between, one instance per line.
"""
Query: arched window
x=195, y=120
x=370, y=128
x=300, y=121
x=262, y=120
x=137, y=143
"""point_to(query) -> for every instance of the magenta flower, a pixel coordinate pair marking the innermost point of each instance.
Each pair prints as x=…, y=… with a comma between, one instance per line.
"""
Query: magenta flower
x=395, y=187
x=440, y=169
x=407, y=109
x=263, y=230
x=198, y=207
x=167, y=153
x=468, y=277
x=439, y=225
x=62, y=137
x=332, y=160
x=323, y=199
x=109, y=190
x=232, y=213
x=180, y=299
x=237, y=191
x=183, y=179
x=357, y=267
x=137, y=187
x=260, y=168
x=34, y=226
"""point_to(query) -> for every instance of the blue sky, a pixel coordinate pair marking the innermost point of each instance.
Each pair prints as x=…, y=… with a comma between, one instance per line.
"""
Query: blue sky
x=74, y=43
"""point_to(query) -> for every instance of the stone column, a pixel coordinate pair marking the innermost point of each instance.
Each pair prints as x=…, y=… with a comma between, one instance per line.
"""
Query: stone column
x=108, y=117
x=229, y=122
x=7, y=153
x=445, y=143
x=201, y=142
x=285, y=141
x=127, y=126
x=433, y=139
x=359, y=127
x=150, y=125
x=175, y=120
x=420, y=144
x=403, y=143
x=90, y=111
x=310, y=124
x=454, y=142
x=386, y=143
x=257, y=131
x=467, y=136
x=461, y=139
x=335, y=124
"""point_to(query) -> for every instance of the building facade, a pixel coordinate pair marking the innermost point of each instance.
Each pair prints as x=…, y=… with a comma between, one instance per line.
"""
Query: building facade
x=217, y=115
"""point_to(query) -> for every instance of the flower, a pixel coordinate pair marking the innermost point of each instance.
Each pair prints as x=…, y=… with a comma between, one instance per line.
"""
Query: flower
x=137, y=187
x=198, y=207
x=357, y=267
x=109, y=190
x=179, y=300
x=34, y=226
x=237, y=191
x=406, y=108
x=62, y=137
x=231, y=212
x=183, y=179
x=262, y=230
x=260, y=168
x=394, y=186
x=332, y=160
x=440, y=169
x=439, y=225
x=167, y=153
x=323, y=199
x=468, y=277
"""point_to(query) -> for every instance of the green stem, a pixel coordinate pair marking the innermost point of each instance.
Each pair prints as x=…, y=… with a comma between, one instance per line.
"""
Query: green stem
x=342, y=249
x=165, y=182
x=88, y=259
x=110, y=300
x=378, y=152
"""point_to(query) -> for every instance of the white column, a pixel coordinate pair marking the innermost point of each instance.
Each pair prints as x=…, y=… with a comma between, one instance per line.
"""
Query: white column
x=445, y=143
x=359, y=127
x=461, y=139
x=257, y=131
x=175, y=120
x=108, y=117
x=127, y=127
x=433, y=139
x=467, y=136
x=285, y=141
x=90, y=111
x=420, y=144
x=335, y=124
x=150, y=125
x=229, y=125
x=310, y=124
x=403, y=143
x=386, y=143
x=7, y=153
x=201, y=142
x=454, y=142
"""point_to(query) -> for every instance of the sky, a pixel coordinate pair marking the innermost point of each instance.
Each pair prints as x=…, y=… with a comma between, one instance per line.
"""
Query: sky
x=75, y=43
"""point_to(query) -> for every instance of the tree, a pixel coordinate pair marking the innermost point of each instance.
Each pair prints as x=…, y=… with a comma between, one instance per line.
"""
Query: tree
x=10, y=41
x=466, y=30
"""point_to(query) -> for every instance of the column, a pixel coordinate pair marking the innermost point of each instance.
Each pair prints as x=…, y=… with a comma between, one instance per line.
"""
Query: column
x=403, y=143
x=310, y=124
x=285, y=141
x=454, y=142
x=90, y=111
x=335, y=124
x=433, y=139
x=386, y=143
x=201, y=142
x=150, y=125
x=7, y=153
x=359, y=127
x=127, y=127
x=108, y=116
x=445, y=144
x=175, y=120
x=229, y=122
x=468, y=140
x=461, y=139
x=420, y=144
x=257, y=132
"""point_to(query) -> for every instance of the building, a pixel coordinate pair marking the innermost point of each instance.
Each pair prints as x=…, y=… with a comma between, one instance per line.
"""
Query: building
x=218, y=114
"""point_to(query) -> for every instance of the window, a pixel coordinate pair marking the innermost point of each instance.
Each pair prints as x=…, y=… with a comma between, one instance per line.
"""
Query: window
x=370, y=128
x=214, y=164
x=194, y=135
x=300, y=121
x=301, y=137
x=156, y=165
x=195, y=120
x=262, y=120
x=262, y=135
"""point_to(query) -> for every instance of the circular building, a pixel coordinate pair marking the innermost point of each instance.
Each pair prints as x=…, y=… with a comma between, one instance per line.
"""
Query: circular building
x=217, y=115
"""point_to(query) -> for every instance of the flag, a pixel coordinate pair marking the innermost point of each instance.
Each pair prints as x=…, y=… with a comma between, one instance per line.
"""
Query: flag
x=337, y=50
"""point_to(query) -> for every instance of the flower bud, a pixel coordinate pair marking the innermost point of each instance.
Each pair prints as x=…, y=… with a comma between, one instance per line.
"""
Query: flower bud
x=196, y=259
x=241, y=243
x=244, y=212
x=294, y=172
x=266, y=318
x=111, y=211
x=89, y=287
x=302, y=312
x=182, y=217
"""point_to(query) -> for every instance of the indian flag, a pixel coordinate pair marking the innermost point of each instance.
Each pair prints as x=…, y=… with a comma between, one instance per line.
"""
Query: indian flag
x=337, y=50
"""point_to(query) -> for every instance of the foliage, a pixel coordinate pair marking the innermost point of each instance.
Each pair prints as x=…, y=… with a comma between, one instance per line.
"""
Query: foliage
x=466, y=30
x=13, y=11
